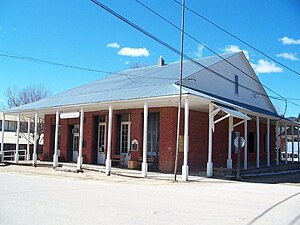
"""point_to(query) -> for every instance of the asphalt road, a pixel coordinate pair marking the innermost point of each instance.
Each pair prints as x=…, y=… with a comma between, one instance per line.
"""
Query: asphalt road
x=56, y=199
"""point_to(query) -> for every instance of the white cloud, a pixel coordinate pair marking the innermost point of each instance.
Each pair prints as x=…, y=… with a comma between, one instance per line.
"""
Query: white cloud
x=264, y=66
x=113, y=45
x=199, y=51
x=289, y=41
x=235, y=48
x=290, y=56
x=133, y=52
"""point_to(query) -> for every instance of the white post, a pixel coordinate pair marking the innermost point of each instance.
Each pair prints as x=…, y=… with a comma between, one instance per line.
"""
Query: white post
x=35, y=139
x=145, y=141
x=293, y=142
x=246, y=144
x=79, y=158
x=17, y=139
x=185, y=167
x=268, y=142
x=2, y=138
x=108, y=156
x=257, y=142
x=28, y=139
x=298, y=144
x=230, y=129
x=209, y=170
x=285, y=142
x=55, y=156
x=277, y=131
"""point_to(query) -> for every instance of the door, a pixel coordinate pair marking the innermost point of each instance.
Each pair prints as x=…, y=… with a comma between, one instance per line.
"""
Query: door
x=101, y=143
x=125, y=141
x=153, y=138
x=75, y=132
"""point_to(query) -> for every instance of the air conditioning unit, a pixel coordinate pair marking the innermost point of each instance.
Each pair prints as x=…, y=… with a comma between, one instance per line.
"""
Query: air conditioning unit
x=75, y=131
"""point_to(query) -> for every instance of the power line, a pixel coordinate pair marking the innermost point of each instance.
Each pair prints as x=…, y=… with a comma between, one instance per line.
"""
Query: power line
x=211, y=50
x=236, y=37
x=172, y=48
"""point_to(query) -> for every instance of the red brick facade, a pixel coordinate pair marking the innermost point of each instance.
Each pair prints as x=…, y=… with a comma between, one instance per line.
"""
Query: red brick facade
x=198, y=138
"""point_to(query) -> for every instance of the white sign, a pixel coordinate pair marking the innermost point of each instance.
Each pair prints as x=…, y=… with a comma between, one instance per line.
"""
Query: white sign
x=236, y=142
x=69, y=115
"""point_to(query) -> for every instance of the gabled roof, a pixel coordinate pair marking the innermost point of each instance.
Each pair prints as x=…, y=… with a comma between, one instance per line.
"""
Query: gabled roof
x=130, y=84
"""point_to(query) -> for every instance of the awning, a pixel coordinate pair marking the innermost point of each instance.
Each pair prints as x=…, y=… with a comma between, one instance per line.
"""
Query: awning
x=232, y=112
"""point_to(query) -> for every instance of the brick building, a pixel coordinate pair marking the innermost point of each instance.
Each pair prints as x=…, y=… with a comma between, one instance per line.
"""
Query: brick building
x=132, y=117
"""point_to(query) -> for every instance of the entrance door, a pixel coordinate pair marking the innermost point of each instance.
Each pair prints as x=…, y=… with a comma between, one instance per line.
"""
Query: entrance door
x=153, y=138
x=101, y=143
x=75, y=132
x=125, y=141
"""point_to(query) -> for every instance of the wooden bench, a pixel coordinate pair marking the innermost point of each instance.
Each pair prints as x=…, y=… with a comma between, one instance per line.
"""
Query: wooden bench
x=118, y=158
x=150, y=160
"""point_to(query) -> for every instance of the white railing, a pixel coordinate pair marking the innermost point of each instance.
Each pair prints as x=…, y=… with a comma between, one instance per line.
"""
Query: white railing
x=9, y=155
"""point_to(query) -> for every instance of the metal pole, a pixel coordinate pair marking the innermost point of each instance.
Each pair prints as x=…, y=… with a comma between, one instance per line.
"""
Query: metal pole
x=180, y=91
x=145, y=141
x=230, y=129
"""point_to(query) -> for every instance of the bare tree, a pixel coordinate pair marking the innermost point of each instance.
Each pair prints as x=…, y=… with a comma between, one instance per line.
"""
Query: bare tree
x=22, y=96
x=32, y=93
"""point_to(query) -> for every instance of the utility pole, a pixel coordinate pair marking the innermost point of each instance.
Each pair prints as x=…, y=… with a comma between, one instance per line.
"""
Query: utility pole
x=180, y=91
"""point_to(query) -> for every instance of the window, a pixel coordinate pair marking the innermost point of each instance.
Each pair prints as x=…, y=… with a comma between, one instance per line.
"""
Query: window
x=236, y=84
x=10, y=125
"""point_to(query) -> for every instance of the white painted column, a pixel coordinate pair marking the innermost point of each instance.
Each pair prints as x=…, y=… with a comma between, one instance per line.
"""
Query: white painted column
x=108, y=156
x=246, y=144
x=268, y=142
x=79, y=158
x=55, y=156
x=17, y=139
x=293, y=148
x=298, y=144
x=230, y=129
x=35, y=139
x=2, y=138
x=257, y=142
x=185, y=167
x=285, y=142
x=209, y=170
x=28, y=139
x=277, y=132
x=145, y=141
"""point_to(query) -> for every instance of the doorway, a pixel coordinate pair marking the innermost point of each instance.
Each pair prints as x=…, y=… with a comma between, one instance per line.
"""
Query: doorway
x=101, y=143
x=73, y=142
x=153, y=138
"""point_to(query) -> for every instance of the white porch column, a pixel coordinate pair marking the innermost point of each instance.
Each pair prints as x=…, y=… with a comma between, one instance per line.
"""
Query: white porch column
x=277, y=131
x=246, y=144
x=298, y=144
x=293, y=148
x=2, y=138
x=285, y=142
x=28, y=139
x=268, y=142
x=209, y=170
x=230, y=129
x=145, y=141
x=79, y=158
x=257, y=142
x=108, y=156
x=35, y=139
x=17, y=139
x=55, y=156
x=185, y=167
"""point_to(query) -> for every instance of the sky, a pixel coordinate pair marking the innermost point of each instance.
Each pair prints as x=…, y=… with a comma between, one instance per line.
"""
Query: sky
x=82, y=34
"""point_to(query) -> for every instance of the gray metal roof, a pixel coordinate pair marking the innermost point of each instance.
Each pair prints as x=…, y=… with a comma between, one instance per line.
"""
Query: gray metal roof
x=147, y=82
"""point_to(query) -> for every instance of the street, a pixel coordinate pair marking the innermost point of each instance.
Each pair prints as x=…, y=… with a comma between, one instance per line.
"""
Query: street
x=60, y=198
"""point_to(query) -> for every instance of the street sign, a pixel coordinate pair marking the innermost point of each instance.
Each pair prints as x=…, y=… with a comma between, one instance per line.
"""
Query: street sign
x=236, y=142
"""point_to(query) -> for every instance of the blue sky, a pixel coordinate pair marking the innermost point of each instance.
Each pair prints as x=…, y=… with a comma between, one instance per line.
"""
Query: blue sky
x=82, y=34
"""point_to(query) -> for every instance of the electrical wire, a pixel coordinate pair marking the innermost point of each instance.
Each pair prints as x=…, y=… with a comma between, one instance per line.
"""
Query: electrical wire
x=236, y=37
